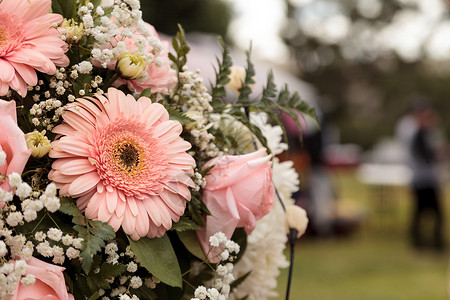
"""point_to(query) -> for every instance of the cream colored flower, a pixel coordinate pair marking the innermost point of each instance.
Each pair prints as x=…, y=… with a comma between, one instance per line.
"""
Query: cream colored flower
x=71, y=30
x=132, y=66
x=296, y=218
x=237, y=77
x=38, y=143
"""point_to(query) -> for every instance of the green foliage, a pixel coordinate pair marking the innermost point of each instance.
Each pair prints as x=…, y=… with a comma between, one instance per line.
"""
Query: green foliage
x=94, y=233
x=146, y=93
x=246, y=90
x=177, y=115
x=240, y=237
x=158, y=257
x=190, y=241
x=63, y=7
x=181, y=50
x=196, y=208
x=271, y=101
x=185, y=224
x=98, y=280
x=222, y=75
x=240, y=280
x=144, y=293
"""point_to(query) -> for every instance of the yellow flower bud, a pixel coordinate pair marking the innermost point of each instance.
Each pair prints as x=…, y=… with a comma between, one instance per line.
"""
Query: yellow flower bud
x=132, y=66
x=296, y=218
x=71, y=30
x=237, y=77
x=38, y=143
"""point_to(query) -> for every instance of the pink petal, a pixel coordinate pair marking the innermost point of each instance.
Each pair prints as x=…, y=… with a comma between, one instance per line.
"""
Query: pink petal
x=84, y=183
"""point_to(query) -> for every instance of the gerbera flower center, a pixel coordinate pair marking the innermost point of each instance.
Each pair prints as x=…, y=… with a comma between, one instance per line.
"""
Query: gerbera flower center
x=127, y=156
x=11, y=33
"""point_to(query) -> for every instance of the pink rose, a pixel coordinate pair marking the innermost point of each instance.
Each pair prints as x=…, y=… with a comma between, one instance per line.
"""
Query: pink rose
x=12, y=142
x=238, y=192
x=49, y=285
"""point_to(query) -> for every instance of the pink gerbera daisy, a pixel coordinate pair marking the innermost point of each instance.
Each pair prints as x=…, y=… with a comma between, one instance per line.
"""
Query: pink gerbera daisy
x=28, y=42
x=126, y=162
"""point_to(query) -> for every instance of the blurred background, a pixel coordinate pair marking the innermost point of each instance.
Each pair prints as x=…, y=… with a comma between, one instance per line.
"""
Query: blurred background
x=362, y=64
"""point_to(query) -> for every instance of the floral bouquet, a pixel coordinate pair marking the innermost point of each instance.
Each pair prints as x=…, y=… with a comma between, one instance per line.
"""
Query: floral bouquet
x=122, y=175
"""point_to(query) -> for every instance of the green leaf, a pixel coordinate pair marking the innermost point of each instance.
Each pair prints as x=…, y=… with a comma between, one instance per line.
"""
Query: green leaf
x=72, y=210
x=177, y=115
x=158, y=257
x=246, y=90
x=185, y=224
x=99, y=280
x=238, y=281
x=94, y=234
x=144, y=293
x=240, y=237
x=63, y=7
x=181, y=50
x=222, y=75
x=190, y=241
x=94, y=296
x=146, y=93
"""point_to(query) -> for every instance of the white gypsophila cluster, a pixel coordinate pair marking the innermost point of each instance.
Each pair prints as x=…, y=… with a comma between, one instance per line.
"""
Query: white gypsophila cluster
x=110, y=35
x=130, y=278
x=10, y=274
x=196, y=104
x=2, y=156
x=199, y=180
x=47, y=110
x=220, y=285
x=264, y=255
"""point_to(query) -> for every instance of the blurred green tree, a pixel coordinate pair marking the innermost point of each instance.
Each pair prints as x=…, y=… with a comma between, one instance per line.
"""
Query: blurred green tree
x=211, y=16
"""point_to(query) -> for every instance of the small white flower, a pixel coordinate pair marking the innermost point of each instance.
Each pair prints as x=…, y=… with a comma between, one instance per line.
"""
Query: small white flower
x=224, y=255
x=14, y=179
x=40, y=236
x=135, y=282
x=221, y=270
x=3, y=249
x=54, y=234
x=213, y=293
x=50, y=190
x=44, y=249
x=132, y=267
x=29, y=215
x=72, y=253
x=28, y=279
x=77, y=243
x=20, y=267
x=14, y=218
x=23, y=190
x=200, y=292
x=2, y=157
x=67, y=240
x=214, y=241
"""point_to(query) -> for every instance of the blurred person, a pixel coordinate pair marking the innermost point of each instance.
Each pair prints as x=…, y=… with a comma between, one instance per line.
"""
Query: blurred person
x=423, y=142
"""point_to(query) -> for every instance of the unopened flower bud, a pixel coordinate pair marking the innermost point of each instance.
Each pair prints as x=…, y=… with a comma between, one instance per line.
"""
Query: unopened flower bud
x=237, y=77
x=38, y=143
x=132, y=66
x=71, y=30
x=296, y=218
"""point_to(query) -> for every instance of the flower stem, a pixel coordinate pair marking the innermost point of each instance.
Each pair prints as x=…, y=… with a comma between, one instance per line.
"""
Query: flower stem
x=292, y=238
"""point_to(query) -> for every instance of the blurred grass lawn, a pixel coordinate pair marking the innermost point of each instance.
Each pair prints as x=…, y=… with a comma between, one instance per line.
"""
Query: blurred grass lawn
x=377, y=261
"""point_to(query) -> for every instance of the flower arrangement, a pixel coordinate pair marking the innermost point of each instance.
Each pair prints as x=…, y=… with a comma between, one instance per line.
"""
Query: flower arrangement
x=121, y=174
